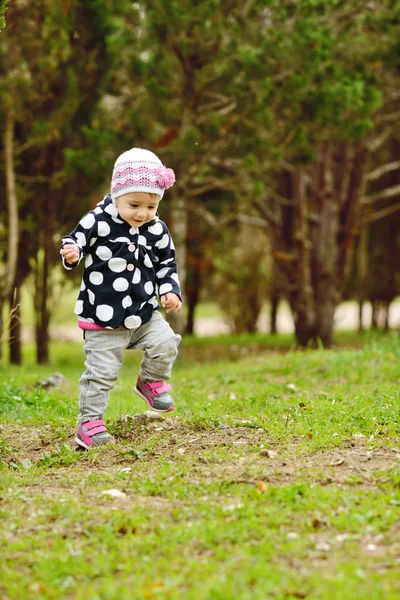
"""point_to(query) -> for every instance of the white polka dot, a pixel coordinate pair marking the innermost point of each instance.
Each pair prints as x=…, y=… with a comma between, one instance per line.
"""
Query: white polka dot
x=154, y=302
x=117, y=265
x=175, y=277
x=83, y=286
x=136, y=276
x=120, y=284
x=89, y=260
x=78, y=307
x=137, y=254
x=132, y=322
x=104, y=253
x=104, y=312
x=92, y=241
x=149, y=287
x=87, y=221
x=116, y=220
x=141, y=306
x=91, y=296
x=90, y=320
x=121, y=239
x=147, y=262
x=111, y=209
x=165, y=288
x=163, y=243
x=98, y=210
x=96, y=278
x=162, y=272
x=81, y=238
x=103, y=229
x=68, y=240
x=156, y=229
x=172, y=244
x=126, y=302
x=142, y=240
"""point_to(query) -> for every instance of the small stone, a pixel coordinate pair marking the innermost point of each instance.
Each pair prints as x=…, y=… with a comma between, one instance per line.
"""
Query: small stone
x=114, y=493
x=147, y=417
x=54, y=380
x=269, y=453
x=371, y=547
x=323, y=546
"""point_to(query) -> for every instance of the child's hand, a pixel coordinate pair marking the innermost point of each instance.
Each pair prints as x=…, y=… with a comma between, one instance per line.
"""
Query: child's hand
x=171, y=302
x=71, y=253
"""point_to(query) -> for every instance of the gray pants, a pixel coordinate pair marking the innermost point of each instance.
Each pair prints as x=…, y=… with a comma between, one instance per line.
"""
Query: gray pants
x=104, y=350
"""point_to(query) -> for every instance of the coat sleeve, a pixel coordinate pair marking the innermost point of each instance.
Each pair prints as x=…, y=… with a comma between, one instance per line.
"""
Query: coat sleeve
x=83, y=233
x=166, y=269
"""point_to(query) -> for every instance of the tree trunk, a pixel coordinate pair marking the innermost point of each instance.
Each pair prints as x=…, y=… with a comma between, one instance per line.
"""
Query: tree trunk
x=1, y=329
x=362, y=272
x=192, y=299
x=325, y=222
x=361, y=315
x=12, y=208
x=301, y=297
x=274, y=313
x=14, y=338
x=42, y=312
x=12, y=203
x=179, y=227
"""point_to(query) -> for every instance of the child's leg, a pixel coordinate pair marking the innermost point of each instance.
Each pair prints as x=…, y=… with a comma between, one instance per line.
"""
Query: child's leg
x=160, y=345
x=104, y=350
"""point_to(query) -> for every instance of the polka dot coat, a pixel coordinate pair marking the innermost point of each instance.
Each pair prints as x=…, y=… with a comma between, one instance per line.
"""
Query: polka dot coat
x=125, y=267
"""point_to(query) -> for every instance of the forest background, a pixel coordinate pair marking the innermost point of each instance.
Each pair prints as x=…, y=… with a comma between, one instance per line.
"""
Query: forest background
x=279, y=118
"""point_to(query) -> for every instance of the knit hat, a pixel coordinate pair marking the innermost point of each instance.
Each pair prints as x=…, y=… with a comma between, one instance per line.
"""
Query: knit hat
x=139, y=170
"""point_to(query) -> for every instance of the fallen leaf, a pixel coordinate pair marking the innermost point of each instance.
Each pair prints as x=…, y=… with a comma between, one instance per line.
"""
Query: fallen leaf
x=261, y=486
x=316, y=523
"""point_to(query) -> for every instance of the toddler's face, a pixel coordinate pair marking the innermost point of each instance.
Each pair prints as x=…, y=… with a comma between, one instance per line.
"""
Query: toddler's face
x=137, y=208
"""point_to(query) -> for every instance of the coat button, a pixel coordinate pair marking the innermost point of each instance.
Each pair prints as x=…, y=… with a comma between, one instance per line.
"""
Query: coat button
x=130, y=267
x=131, y=247
x=132, y=230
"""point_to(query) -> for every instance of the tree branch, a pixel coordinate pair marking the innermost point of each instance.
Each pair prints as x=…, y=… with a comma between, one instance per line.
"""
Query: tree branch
x=260, y=206
x=380, y=214
x=382, y=195
x=377, y=142
x=388, y=118
x=383, y=169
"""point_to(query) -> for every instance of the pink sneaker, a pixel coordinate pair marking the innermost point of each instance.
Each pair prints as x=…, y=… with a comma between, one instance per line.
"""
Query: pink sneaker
x=155, y=393
x=92, y=433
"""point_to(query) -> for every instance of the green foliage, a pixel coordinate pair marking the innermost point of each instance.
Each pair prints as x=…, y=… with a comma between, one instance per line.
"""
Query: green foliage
x=3, y=8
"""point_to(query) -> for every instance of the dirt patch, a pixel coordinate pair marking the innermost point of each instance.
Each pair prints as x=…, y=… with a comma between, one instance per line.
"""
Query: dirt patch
x=230, y=455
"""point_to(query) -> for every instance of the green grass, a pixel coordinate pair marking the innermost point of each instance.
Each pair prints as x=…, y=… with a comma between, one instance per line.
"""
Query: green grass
x=278, y=477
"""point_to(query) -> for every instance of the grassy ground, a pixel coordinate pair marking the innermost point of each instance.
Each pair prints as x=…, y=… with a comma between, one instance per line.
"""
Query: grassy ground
x=278, y=476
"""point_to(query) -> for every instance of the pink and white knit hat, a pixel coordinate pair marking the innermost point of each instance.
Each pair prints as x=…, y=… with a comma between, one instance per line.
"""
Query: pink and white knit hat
x=139, y=170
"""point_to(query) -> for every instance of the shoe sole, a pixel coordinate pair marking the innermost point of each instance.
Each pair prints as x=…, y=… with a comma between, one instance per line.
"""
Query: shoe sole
x=139, y=393
x=81, y=444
